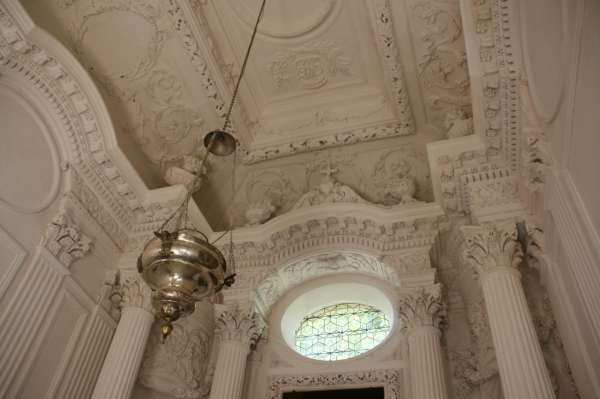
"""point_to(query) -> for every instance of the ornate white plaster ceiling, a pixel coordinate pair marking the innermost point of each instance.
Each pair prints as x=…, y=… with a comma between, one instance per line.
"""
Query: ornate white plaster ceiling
x=322, y=74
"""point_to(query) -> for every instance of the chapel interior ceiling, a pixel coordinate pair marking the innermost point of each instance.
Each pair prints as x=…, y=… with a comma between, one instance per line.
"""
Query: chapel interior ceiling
x=323, y=76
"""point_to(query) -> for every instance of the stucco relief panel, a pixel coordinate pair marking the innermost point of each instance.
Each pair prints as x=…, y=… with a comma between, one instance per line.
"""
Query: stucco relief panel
x=131, y=49
x=392, y=177
x=437, y=34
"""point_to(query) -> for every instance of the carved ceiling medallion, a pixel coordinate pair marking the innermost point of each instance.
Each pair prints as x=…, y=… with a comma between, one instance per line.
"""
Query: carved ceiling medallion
x=286, y=27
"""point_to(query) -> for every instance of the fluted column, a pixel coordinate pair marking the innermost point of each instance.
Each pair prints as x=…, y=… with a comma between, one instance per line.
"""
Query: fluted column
x=239, y=328
x=126, y=350
x=494, y=253
x=423, y=314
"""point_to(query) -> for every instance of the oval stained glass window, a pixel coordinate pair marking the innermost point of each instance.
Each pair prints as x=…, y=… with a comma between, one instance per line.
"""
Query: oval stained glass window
x=341, y=331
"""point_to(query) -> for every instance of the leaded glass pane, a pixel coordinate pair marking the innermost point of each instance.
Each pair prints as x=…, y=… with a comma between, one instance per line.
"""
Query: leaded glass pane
x=341, y=331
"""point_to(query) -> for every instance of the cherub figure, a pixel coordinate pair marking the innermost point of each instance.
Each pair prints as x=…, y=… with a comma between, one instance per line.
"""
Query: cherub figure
x=400, y=186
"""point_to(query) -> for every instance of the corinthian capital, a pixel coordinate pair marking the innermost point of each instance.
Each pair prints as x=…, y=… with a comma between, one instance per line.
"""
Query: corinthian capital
x=422, y=307
x=239, y=323
x=136, y=293
x=491, y=246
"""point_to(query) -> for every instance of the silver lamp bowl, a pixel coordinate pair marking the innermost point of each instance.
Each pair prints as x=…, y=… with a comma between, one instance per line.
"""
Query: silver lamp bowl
x=181, y=268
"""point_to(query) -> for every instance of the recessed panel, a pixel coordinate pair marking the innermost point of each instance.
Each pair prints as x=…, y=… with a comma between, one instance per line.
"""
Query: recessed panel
x=28, y=160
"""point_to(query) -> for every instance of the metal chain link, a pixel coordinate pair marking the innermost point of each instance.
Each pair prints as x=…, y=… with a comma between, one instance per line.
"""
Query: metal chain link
x=182, y=210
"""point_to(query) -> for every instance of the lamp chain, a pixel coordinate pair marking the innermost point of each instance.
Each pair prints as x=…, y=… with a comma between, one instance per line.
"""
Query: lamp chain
x=182, y=210
x=231, y=257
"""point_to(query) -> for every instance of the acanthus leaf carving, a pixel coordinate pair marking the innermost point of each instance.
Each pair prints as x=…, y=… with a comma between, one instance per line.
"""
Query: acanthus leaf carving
x=442, y=68
x=457, y=124
x=492, y=192
x=408, y=262
x=64, y=240
x=382, y=24
x=491, y=246
x=136, y=293
x=421, y=307
x=96, y=210
x=548, y=334
x=182, y=356
x=239, y=323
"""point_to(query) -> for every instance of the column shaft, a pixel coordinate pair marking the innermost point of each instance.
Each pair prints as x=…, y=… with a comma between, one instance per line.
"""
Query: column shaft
x=426, y=363
x=124, y=355
x=229, y=372
x=521, y=364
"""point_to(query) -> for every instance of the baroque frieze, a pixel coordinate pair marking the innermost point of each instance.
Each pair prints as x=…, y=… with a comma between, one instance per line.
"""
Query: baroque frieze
x=408, y=262
x=330, y=231
x=391, y=380
x=282, y=280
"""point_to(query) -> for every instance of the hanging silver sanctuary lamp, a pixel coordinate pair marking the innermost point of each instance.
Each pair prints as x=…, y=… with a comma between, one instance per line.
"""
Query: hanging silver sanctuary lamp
x=182, y=267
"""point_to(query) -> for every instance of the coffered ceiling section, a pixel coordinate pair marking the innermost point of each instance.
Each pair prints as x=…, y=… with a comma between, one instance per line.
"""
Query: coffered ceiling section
x=319, y=68
x=322, y=73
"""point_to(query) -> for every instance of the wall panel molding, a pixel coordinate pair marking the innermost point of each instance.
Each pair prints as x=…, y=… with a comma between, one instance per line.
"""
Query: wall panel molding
x=9, y=263
x=27, y=310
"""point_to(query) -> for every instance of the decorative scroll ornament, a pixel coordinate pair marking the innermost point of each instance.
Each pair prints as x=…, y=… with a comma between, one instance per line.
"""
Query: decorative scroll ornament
x=186, y=175
x=313, y=65
x=182, y=357
x=457, y=124
x=136, y=293
x=491, y=246
x=420, y=308
x=442, y=68
x=64, y=240
x=484, y=371
x=391, y=380
x=111, y=294
x=329, y=191
x=237, y=323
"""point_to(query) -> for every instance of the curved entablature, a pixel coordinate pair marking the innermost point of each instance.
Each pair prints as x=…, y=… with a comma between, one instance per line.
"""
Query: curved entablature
x=319, y=265
x=336, y=227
